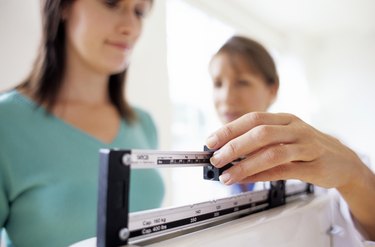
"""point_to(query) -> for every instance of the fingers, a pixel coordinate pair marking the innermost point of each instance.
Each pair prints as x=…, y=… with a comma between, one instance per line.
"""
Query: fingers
x=293, y=170
x=276, y=146
x=267, y=159
x=244, y=124
x=259, y=137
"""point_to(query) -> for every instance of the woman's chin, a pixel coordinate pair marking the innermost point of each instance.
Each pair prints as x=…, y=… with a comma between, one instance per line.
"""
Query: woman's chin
x=119, y=68
x=117, y=65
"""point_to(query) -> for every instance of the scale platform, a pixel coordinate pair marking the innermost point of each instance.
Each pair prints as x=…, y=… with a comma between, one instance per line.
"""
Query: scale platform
x=302, y=222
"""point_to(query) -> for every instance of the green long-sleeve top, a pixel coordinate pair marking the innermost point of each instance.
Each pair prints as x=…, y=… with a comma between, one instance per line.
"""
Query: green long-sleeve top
x=49, y=174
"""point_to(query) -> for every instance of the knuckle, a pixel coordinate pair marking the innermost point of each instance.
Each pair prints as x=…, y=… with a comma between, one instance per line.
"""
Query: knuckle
x=275, y=155
x=303, y=131
x=227, y=132
x=232, y=148
x=270, y=156
x=241, y=171
x=292, y=117
x=255, y=117
x=261, y=132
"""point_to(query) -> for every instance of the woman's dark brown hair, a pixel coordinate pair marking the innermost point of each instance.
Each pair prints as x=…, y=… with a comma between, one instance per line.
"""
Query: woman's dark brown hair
x=254, y=54
x=45, y=79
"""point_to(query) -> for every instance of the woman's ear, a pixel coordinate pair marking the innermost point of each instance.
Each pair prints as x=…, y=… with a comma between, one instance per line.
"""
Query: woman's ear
x=274, y=89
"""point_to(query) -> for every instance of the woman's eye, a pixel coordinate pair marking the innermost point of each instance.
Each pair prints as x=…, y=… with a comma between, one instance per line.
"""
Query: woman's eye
x=142, y=8
x=111, y=3
x=139, y=12
x=217, y=84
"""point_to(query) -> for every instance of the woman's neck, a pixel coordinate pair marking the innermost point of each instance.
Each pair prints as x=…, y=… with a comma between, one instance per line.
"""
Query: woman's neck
x=83, y=83
x=85, y=88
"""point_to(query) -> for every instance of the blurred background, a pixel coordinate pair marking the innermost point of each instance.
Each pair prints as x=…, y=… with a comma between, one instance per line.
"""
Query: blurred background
x=324, y=51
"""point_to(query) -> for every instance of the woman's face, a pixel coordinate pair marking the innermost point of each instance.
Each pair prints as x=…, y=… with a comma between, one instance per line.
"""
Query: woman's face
x=237, y=89
x=101, y=34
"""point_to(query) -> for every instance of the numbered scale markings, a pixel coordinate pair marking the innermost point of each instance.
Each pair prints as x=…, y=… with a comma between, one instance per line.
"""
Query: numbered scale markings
x=116, y=226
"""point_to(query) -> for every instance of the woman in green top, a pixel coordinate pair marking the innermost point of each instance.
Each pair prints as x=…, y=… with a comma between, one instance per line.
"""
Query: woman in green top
x=54, y=123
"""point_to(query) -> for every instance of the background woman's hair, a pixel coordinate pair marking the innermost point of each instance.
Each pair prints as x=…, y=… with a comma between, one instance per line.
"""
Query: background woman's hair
x=45, y=79
x=254, y=54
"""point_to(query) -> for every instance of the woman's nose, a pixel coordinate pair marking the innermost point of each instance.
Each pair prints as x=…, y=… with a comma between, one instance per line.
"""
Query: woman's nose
x=128, y=23
x=228, y=94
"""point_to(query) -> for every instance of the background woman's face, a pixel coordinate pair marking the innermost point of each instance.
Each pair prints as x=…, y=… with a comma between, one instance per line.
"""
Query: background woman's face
x=102, y=33
x=237, y=89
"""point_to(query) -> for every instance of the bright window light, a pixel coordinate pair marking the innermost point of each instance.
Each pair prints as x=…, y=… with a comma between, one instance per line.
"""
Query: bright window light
x=192, y=39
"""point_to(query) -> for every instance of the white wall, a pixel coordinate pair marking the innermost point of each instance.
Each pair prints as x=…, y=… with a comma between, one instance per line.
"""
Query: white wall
x=341, y=78
x=343, y=82
x=236, y=17
x=19, y=32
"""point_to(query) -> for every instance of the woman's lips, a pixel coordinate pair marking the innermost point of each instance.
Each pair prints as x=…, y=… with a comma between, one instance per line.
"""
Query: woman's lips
x=119, y=45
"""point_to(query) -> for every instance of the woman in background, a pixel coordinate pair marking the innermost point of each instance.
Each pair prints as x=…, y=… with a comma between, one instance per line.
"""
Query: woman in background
x=54, y=123
x=245, y=80
x=279, y=146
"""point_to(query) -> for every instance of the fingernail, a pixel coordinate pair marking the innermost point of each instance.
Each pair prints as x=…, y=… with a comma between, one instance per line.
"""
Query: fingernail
x=212, y=141
x=215, y=159
x=224, y=178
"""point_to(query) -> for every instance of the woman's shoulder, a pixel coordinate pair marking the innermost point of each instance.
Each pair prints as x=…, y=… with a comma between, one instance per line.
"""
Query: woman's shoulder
x=14, y=106
x=13, y=98
x=142, y=115
x=8, y=101
x=8, y=97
